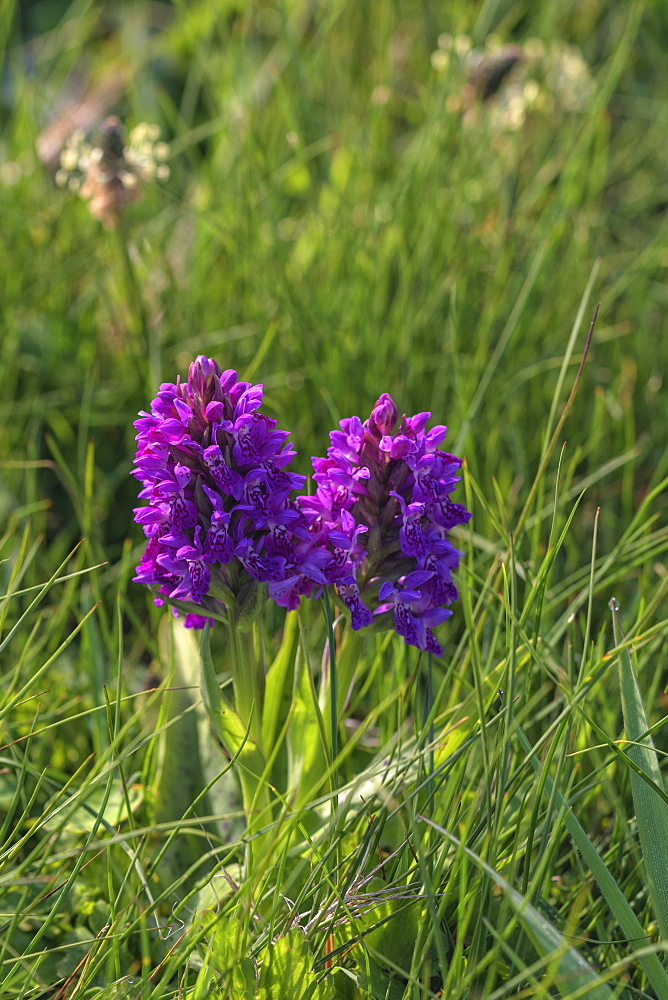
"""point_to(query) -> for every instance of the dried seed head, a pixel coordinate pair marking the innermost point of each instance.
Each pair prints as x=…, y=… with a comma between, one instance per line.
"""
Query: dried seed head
x=109, y=173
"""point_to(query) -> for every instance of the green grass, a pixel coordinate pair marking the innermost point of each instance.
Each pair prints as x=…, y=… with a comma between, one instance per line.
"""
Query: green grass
x=339, y=223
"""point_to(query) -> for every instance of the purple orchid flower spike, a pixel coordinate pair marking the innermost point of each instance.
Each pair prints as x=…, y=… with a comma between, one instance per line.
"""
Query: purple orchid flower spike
x=219, y=517
x=383, y=497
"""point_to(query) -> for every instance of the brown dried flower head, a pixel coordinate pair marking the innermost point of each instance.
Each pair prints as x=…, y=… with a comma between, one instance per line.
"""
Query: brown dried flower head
x=108, y=173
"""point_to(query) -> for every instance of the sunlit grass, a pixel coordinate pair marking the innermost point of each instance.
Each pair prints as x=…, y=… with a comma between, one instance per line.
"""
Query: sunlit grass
x=341, y=220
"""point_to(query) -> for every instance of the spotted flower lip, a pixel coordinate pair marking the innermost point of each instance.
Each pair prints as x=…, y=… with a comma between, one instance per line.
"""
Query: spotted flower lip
x=385, y=487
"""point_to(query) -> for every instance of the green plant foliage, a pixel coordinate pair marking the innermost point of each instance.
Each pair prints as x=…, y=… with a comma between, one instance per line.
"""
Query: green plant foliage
x=388, y=931
x=286, y=968
x=282, y=968
x=421, y=198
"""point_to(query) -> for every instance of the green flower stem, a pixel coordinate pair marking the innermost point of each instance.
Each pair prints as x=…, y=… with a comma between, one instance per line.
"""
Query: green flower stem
x=333, y=685
x=237, y=737
x=145, y=330
x=347, y=659
x=247, y=678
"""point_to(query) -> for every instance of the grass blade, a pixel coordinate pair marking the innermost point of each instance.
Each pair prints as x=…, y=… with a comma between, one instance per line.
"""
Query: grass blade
x=575, y=976
x=651, y=810
x=613, y=895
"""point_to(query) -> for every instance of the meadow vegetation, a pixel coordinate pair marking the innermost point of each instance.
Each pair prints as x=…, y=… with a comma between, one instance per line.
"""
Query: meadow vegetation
x=426, y=199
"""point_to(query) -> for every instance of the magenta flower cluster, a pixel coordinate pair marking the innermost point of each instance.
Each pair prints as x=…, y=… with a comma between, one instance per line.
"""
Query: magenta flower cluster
x=222, y=518
x=220, y=515
x=387, y=489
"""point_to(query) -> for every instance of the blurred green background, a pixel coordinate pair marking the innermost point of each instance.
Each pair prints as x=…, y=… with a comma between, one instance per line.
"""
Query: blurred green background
x=345, y=215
